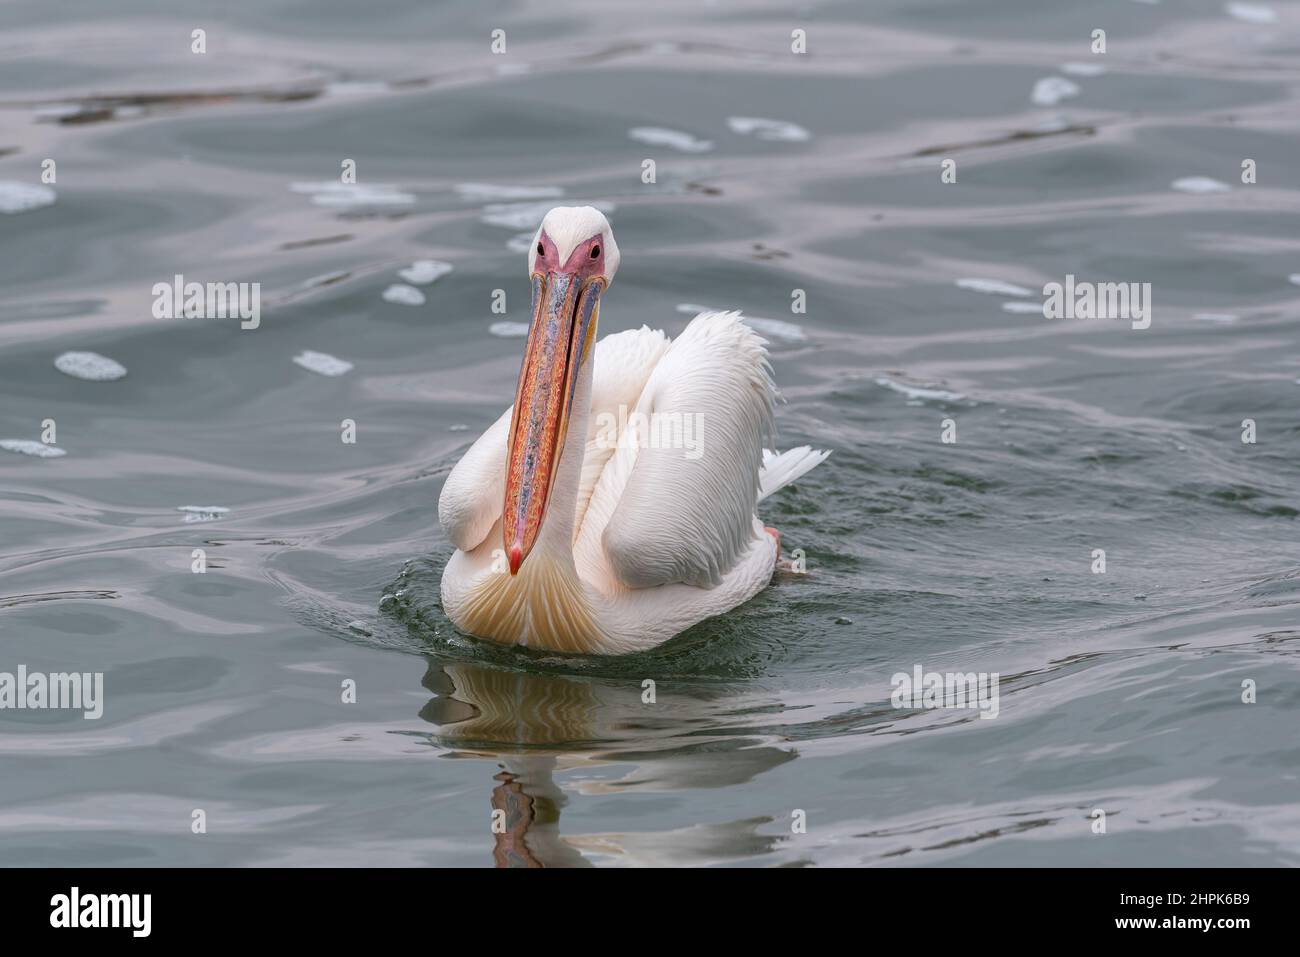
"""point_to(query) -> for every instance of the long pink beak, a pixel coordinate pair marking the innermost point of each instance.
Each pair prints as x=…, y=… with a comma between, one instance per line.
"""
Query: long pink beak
x=559, y=339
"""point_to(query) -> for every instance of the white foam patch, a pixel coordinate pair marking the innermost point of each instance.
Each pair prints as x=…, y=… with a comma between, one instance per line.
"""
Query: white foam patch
x=322, y=363
x=520, y=242
x=1256, y=13
x=508, y=330
x=1023, y=307
x=673, y=139
x=525, y=215
x=490, y=192
x=1051, y=90
x=90, y=366
x=919, y=393
x=424, y=271
x=776, y=328
x=1083, y=69
x=202, y=513
x=1224, y=317
x=994, y=287
x=27, y=447
x=18, y=197
x=403, y=295
x=1199, y=184
x=515, y=215
x=56, y=111
x=336, y=195
x=513, y=69
x=1295, y=278
x=775, y=130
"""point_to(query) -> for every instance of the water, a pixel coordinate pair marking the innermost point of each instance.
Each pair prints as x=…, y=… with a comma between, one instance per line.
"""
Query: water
x=1120, y=691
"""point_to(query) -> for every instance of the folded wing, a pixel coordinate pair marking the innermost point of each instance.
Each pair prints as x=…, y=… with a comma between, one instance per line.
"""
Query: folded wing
x=675, y=503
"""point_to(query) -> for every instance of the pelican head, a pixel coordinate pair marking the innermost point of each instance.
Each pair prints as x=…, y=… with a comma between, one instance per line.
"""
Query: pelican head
x=571, y=261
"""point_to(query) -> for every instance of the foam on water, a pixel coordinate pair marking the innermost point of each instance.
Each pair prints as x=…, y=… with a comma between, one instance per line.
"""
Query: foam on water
x=491, y=192
x=90, y=366
x=673, y=139
x=1027, y=308
x=775, y=328
x=56, y=111
x=16, y=197
x=994, y=287
x=520, y=242
x=322, y=363
x=779, y=131
x=1199, y=184
x=526, y=215
x=508, y=330
x=1256, y=13
x=424, y=271
x=27, y=447
x=1051, y=90
x=920, y=393
x=338, y=195
x=515, y=215
x=202, y=513
x=403, y=295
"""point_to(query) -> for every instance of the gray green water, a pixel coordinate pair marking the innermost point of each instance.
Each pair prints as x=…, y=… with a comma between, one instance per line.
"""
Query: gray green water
x=1119, y=691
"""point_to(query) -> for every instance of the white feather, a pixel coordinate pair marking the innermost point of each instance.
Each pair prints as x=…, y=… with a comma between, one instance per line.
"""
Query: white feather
x=782, y=468
x=474, y=492
x=681, y=518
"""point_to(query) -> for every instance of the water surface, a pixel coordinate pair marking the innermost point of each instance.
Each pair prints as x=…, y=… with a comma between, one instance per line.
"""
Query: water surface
x=1119, y=691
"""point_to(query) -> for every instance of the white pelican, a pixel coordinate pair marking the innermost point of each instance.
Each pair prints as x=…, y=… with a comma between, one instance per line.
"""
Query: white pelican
x=612, y=506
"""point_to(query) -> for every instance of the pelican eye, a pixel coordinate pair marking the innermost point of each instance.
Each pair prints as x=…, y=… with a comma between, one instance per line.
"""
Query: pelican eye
x=540, y=250
x=595, y=252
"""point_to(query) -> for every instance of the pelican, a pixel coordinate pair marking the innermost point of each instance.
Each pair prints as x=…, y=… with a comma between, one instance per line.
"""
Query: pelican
x=613, y=505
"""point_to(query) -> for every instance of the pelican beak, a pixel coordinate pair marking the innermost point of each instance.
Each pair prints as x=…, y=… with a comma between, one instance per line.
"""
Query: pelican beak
x=559, y=341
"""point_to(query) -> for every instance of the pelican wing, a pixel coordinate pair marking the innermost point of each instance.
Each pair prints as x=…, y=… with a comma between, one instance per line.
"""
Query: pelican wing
x=472, y=497
x=624, y=363
x=689, y=473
